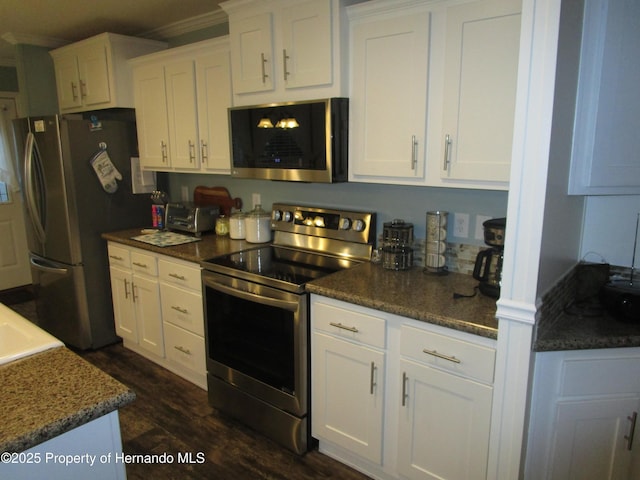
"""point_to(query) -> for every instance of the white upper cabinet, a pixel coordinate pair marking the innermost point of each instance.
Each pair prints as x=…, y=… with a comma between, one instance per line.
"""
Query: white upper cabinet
x=181, y=99
x=93, y=74
x=480, y=76
x=605, y=142
x=388, y=94
x=432, y=92
x=285, y=50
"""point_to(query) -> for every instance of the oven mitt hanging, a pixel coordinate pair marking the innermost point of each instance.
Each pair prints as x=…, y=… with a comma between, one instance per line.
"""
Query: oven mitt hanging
x=106, y=171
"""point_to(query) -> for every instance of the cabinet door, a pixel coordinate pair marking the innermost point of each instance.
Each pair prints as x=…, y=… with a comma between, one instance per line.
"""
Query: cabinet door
x=151, y=116
x=213, y=80
x=347, y=395
x=592, y=441
x=94, y=74
x=146, y=300
x=123, y=312
x=252, y=53
x=180, y=85
x=444, y=425
x=67, y=82
x=480, y=76
x=388, y=99
x=307, y=44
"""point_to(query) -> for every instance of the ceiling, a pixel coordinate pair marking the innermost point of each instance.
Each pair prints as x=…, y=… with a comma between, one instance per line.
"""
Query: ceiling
x=53, y=23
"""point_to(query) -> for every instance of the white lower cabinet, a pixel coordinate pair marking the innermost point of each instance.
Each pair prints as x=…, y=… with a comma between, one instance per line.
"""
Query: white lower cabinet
x=398, y=398
x=158, y=311
x=584, y=410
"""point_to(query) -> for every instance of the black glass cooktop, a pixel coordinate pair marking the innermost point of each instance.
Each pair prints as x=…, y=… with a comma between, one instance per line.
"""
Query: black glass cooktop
x=277, y=266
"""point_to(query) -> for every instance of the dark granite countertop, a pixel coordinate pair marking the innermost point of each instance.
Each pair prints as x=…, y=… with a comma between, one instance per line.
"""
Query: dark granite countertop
x=414, y=294
x=211, y=245
x=49, y=393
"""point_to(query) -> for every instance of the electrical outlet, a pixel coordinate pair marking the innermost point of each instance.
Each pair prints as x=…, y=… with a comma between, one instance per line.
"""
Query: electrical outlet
x=461, y=225
x=184, y=193
x=256, y=199
x=480, y=219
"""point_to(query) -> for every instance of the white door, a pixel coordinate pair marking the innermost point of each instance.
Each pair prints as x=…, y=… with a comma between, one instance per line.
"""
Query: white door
x=14, y=256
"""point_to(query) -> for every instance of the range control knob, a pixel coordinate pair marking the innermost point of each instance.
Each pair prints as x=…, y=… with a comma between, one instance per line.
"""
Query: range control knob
x=358, y=225
x=287, y=216
x=344, y=224
x=276, y=215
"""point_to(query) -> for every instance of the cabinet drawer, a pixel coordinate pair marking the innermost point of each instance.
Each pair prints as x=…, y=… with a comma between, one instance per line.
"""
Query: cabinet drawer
x=184, y=348
x=448, y=353
x=118, y=256
x=349, y=324
x=182, y=308
x=144, y=263
x=181, y=274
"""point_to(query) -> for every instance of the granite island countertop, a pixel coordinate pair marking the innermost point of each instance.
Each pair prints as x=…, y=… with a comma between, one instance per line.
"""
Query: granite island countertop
x=50, y=393
x=414, y=294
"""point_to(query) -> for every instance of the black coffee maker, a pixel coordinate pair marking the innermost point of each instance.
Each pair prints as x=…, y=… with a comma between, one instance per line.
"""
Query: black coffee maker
x=488, y=267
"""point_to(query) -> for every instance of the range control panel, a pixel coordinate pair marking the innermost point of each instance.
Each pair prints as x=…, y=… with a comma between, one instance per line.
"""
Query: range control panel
x=347, y=225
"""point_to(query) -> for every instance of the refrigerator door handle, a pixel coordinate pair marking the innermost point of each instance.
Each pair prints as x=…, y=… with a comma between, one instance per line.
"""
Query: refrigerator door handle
x=45, y=266
x=31, y=163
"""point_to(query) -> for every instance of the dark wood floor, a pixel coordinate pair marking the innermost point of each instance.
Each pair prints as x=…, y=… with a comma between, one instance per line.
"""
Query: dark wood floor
x=172, y=415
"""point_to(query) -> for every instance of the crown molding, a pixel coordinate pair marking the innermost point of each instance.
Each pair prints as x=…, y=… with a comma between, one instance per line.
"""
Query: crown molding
x=211, y=19
x=39, y=41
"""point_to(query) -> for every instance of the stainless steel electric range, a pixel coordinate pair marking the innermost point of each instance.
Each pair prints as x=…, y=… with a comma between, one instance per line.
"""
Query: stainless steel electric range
x=257, y=316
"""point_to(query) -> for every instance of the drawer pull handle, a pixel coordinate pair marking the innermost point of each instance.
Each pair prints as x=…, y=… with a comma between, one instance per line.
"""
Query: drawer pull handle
x=141, y=265
x=441, y=355
x=116, y=257
x=181, y=310
x=632, y=430
x=404, y=388
x=372, y=382
x=179, y=277
x=182, y=349
x=344, y=327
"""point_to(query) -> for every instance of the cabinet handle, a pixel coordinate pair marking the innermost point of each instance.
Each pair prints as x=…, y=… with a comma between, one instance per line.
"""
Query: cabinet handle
x=192, y=152
x=203, y=151
x=414, y=152
x=179, y=277
x=285, y=57
x=179, y=309
x=163, y=150
x=264, y=71
x=344, y=327
x=83, y=89
x=441, y=355
x=182, y=349
x=126, y=288
x=141, y=265
x=116, y=257
x=404, y=388
x=74, y=91
x=447, y=144
x=372, y=382
x=133, y=292
x=632, y=430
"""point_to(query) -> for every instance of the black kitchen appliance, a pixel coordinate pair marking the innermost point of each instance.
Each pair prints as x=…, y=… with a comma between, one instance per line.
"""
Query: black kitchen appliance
x=257, y=317
x=488, y=266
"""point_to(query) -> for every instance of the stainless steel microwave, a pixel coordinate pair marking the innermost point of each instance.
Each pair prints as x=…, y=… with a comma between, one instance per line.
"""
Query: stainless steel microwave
x=296, y=141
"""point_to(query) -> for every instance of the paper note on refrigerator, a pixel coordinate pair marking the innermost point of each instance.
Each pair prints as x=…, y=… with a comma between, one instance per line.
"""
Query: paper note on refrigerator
x=142, y=181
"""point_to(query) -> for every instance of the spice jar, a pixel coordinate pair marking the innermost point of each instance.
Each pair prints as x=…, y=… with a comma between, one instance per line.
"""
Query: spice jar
x=222, y=226
x=237, y=225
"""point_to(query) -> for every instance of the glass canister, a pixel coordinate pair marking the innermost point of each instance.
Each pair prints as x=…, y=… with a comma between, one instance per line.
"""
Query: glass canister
x=237, y=225
x=258, y=226
x=397, y=245
x=222, y=226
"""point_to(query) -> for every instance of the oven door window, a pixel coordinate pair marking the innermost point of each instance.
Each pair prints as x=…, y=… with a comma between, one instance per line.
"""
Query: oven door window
x=255, y=339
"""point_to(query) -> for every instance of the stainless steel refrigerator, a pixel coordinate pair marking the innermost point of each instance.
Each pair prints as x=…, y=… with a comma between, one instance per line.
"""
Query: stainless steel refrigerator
x=67, y=210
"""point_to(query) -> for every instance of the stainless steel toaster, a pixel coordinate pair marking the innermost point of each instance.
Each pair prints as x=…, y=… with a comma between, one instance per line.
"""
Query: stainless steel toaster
x=188, y=217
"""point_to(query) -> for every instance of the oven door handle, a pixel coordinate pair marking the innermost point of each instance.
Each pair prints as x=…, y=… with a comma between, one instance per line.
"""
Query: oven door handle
x=236, y=292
